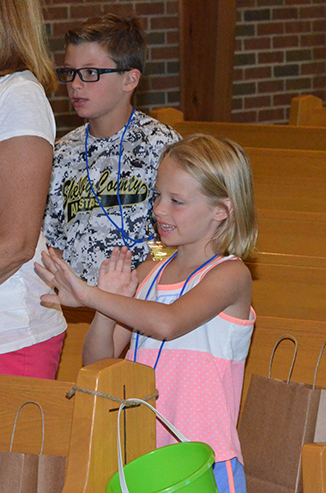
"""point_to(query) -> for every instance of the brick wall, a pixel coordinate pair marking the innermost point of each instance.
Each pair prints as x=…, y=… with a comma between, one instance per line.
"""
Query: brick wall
x=280, y=53
x=160, y=83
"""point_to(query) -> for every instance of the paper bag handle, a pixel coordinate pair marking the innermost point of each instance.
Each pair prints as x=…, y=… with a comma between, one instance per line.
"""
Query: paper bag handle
x=16, y=419
x=317, y=365
x=167, y=423
x=285, y=336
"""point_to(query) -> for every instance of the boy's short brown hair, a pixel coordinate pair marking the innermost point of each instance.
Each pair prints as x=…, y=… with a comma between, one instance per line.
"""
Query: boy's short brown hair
x=123, y=38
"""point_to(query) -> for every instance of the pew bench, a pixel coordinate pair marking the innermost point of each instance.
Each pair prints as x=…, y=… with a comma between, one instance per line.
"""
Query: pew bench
x=249, y=134
x=84, y=428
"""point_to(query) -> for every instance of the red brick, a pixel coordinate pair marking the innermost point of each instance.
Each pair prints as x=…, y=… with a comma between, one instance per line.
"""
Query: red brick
x=85, y=11
x=313, y=68
x=150, y=8
x=257, y=102
x=244, y=117
x=237, y=74
x=268, y=28
x=165, y=53
x=258, y=73
x=172, y=37
x=285, y=41
x=165, y=82
x=271, y=57
x=261, y=43
x=270, y=86
x=298, y=27
x=164, y=23
x=284, y=13
x=54, y=13
x=319, y=82
x=274, y=114
x=313, y=40
x=312, y=12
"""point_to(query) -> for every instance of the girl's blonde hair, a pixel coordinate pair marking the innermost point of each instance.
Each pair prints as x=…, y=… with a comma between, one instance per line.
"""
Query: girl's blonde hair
x=23, y=41
x=222, y=169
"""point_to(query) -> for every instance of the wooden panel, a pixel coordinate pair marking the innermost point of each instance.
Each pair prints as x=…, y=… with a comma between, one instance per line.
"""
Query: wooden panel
x=247, y=134
x=307, y=110
x=71, y=356
x=314, y=467
x=51, y=395
x=289, y=286
x=93, y=451
x=207, y=37
x=288, y=179
x=291, y=232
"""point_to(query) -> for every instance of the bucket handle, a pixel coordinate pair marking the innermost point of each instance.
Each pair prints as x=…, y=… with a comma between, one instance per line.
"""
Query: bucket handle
x=167, y=423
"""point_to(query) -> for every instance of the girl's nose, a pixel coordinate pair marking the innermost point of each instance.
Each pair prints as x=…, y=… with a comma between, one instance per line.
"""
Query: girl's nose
x=159, y=207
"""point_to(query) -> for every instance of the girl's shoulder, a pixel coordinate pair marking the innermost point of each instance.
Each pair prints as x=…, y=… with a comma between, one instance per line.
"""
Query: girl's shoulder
x=145, y=268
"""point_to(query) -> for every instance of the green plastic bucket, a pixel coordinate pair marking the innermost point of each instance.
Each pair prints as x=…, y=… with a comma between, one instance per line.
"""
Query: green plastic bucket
x=184, y=467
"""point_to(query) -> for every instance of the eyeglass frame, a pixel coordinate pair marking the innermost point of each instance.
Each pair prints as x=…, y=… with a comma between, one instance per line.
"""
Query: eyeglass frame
x=99, y=72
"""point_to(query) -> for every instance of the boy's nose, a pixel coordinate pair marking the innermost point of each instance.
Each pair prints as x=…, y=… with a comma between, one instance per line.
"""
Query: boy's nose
x=77, y=82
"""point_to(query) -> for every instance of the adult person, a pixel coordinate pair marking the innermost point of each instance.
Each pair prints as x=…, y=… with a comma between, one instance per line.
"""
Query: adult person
x=31, y=335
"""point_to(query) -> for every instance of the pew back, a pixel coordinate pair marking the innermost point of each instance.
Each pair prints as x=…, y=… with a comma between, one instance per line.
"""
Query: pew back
x=247, y=134
x=84, y=428
x=307, y=110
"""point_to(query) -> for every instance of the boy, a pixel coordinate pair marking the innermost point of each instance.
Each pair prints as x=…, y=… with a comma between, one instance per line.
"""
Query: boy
x=102, y=186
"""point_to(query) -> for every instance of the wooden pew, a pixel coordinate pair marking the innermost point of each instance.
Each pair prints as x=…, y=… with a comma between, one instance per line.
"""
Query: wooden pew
x=71, y=356
x=308, y=111
x=84, y=428
x=292, y=180
x=247, y=134
x=289, y=286
x=291, y=232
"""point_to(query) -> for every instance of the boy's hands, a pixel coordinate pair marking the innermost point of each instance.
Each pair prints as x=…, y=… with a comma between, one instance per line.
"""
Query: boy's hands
x=115, y=274
x=70, y=289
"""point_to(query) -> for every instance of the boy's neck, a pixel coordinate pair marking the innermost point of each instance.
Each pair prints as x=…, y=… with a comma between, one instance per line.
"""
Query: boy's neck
x=109, y=125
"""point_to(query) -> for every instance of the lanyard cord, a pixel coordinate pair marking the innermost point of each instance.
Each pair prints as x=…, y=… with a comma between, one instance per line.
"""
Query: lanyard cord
x=125, y=237
x=180, y=294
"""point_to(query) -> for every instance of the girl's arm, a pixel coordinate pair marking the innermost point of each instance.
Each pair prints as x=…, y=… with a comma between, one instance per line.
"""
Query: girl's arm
x=105, y=338
x=227, y=287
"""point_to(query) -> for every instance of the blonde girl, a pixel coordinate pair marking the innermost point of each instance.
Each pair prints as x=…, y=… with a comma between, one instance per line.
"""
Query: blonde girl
x=197, y=334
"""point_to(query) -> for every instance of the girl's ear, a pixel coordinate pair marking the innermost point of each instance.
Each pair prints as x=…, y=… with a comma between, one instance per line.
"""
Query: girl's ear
x=223, y=210
x=131, y=80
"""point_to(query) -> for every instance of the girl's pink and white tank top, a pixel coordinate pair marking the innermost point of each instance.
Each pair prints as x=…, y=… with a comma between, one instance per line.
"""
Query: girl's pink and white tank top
x=199, y=375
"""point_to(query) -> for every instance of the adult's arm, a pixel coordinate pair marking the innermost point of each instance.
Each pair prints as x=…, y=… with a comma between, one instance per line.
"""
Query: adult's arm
x=25, y=169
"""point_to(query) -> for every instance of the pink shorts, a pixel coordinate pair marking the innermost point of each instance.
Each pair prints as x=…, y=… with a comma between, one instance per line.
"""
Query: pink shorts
x=39, y=361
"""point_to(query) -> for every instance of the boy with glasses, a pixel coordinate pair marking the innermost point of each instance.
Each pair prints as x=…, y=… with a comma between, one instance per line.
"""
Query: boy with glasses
x=102, y=185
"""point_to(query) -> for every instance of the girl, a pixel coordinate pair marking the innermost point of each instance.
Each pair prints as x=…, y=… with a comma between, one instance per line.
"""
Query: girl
x=198, y=334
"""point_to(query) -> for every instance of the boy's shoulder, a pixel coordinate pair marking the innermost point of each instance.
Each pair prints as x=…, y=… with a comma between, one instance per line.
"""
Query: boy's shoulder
x=154, y=128
x=72, y=138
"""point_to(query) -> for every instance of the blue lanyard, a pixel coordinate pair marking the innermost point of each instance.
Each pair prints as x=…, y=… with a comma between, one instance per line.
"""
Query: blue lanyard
x=180, y=294
x=124, y=235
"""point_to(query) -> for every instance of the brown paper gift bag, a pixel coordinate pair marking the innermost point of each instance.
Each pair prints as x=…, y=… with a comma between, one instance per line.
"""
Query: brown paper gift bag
x=279, y=417
x=31, y=473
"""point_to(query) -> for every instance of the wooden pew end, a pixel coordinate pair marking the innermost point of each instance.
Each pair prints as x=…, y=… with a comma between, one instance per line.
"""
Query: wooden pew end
x=314, y=467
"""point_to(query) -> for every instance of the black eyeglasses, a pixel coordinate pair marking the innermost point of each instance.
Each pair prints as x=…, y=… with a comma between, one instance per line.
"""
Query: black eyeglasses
x=88, y=74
